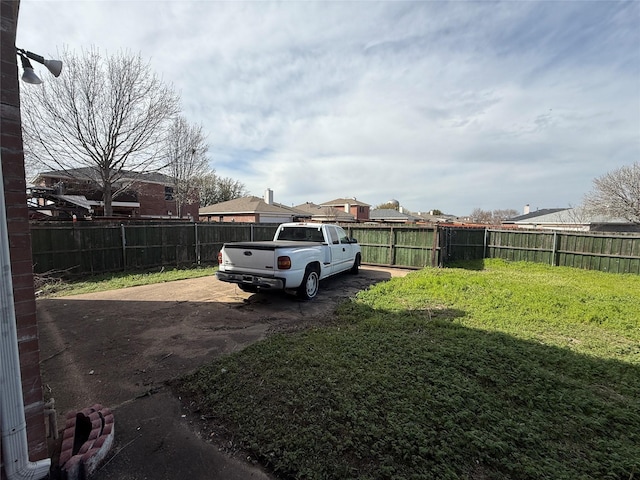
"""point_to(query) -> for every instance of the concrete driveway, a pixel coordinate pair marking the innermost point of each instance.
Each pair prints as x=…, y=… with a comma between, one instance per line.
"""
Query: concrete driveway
x=118, y=349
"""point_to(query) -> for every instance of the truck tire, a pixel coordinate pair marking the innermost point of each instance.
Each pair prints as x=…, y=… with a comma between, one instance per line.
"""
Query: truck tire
x=356, y=265
x=308, y=289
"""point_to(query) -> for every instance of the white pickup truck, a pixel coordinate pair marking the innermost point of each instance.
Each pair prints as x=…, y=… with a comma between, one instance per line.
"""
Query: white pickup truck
x=300, y=255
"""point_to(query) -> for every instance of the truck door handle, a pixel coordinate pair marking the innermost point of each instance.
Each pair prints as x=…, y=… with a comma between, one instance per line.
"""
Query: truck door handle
x=344, y=249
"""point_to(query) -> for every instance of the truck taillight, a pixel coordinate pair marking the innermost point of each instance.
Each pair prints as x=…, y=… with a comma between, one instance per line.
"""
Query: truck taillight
x=219, y=258
x=284, y=263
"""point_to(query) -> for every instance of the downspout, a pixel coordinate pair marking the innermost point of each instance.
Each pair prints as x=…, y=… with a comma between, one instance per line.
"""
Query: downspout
x=15, y=449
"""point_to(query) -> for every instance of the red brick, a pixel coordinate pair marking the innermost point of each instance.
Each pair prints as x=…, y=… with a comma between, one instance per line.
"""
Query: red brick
x=25, y=317
x=14, y=172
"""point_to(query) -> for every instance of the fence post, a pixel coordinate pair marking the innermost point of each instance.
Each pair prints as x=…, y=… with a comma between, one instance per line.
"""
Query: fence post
x=124, y=247
x=392, y=246
x=554, y=250
x=197, y=242
x=484, y=250
x=435, y=247
x=251, y=233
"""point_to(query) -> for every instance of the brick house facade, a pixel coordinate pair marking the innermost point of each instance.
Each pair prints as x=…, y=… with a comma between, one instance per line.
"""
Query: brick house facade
x=12, y=163
x=148, y=195
x=251, y=209
x=359, y=210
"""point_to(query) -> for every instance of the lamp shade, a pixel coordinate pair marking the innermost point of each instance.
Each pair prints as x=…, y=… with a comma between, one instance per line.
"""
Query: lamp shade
x=54, y=66
x=29, y=76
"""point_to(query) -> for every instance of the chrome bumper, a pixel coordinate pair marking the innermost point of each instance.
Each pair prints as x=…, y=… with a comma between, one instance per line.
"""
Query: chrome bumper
x=248, y=279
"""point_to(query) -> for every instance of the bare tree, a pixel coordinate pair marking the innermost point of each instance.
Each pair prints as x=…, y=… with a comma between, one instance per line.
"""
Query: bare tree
x=103, y=118
x=213, y=189
x=187, y=160
x=388, y=206
x=495, y=217
x=481, y=216
x=501, y=215
x=616, y=194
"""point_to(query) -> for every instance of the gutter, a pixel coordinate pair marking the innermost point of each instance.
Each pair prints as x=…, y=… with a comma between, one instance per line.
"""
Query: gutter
x=15, y=449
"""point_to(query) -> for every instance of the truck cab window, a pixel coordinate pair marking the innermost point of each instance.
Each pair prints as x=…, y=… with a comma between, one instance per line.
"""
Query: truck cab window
x=335, y=239
x=344, y=238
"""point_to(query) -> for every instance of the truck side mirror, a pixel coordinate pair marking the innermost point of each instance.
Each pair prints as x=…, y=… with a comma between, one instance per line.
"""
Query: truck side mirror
x=353, y=240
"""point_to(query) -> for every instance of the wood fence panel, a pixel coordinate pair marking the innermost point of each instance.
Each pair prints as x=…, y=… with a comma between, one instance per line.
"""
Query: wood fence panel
x=462, y=244
x=210, y=240
x=375, y=243
x=76, y=250
x=211, y=237
x=143, y=247
x=86, y=248
x=413, y=247
x=396, y=245
x=100, y=250
x=520, y=246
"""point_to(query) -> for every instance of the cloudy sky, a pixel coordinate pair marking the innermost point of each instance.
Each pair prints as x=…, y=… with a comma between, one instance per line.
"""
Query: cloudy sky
x=440, y=105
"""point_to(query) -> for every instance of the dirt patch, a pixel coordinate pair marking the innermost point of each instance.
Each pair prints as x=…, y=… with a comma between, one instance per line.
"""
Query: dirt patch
x=111, y=347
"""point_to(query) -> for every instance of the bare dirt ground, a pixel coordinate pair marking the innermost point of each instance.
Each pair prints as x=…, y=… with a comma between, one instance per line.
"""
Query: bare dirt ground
x=116, y=347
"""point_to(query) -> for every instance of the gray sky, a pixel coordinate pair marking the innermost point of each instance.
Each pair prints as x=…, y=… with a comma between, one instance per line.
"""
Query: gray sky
x=449, y=106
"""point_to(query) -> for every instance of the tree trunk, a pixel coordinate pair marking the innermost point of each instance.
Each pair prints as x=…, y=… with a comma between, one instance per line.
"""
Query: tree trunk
x=107, y=198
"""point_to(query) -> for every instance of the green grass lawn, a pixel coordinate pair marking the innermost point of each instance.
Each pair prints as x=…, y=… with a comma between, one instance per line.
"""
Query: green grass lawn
x=514, y=371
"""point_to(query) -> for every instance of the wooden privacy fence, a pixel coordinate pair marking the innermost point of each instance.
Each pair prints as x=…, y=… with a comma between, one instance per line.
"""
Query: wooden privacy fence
x=592, y=251
x=87, y=248
x=398, y=246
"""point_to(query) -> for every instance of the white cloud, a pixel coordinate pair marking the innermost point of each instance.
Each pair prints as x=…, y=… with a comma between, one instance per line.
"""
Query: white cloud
x=440, y=105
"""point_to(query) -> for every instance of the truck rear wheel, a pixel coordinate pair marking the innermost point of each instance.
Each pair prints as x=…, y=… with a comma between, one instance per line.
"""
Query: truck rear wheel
x=310, y=284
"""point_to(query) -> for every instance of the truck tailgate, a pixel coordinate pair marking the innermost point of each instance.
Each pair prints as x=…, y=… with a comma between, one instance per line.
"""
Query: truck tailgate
x=258, y=257
x=250, y=256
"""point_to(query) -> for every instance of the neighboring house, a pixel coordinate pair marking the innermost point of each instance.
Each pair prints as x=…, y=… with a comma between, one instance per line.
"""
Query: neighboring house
x=324, y=214
x=60, y=194
x=576, y=219
x=359, y=210
x=391, y=215
x=251, y=210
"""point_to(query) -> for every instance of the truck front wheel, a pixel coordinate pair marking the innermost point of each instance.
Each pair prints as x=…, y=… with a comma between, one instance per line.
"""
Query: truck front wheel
x=310, y=284
x=356, y=265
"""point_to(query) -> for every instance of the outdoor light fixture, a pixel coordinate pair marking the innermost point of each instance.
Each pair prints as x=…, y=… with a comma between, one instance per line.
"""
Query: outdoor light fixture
x=29, y=76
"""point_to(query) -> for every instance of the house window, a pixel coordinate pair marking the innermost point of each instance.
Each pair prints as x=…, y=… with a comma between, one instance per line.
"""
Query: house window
x=168, y=193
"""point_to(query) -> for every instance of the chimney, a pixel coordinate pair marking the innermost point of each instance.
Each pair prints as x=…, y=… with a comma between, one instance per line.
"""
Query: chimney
x=526, y=209
x=268, y=196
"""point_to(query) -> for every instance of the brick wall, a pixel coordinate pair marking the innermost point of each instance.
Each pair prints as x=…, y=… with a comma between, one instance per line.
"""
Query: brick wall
x=153, y=203
x=12, y=160
x=152, y=199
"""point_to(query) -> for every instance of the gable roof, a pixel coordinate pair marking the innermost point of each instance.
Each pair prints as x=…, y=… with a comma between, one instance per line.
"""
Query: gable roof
x=325, y=212
x=340, y=202
x=538, y=213
x=248, y=205
x=88, y=173
x=391, y=214
x=566, y=216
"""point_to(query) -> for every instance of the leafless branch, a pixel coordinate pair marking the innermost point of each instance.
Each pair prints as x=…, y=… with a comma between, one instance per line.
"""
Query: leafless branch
x=104, y=114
